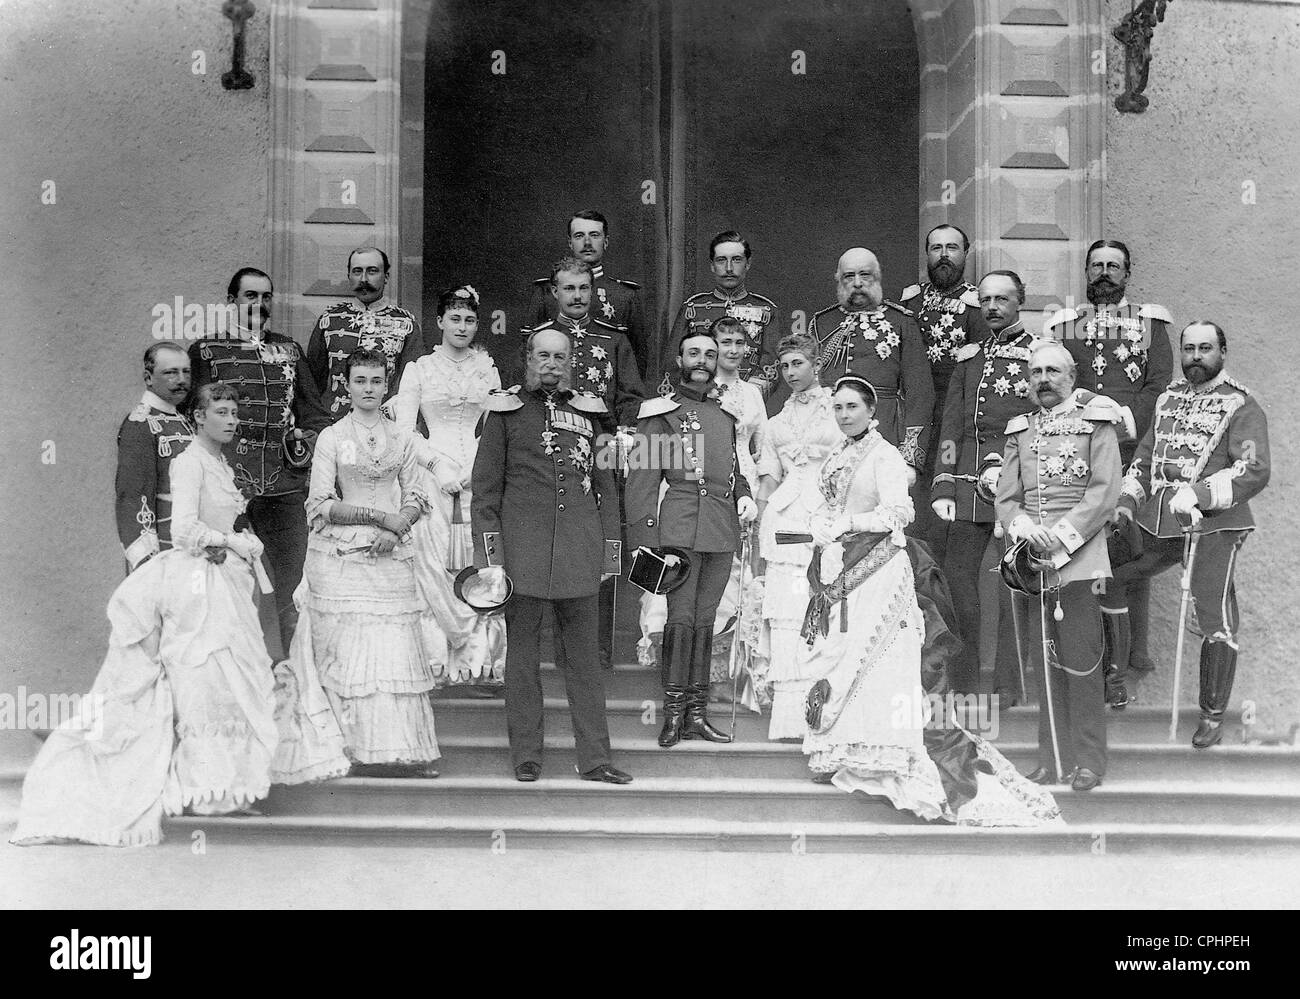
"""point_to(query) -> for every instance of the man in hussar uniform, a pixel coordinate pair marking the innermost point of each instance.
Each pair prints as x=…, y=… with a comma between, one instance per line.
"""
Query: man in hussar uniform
x=1122, y=350
x=1060, y=480
x=865, y=336
x=948, y=315
x=280, y=415
x=154, y=433
x=603, y=366
x=614, y=301
x=371, y=321
x=687, y=438
x=730, y=257
x=545, y=510
x=1206, y=451
x=989, y=387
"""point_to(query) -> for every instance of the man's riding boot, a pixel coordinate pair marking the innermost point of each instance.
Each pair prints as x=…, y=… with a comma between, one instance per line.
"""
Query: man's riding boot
x=697, y=703
x=1116, y=633
x=675, y=671
x=1139, y=606
x=1218, y=670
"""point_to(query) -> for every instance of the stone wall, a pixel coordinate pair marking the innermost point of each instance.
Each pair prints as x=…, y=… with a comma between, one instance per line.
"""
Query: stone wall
x=1223, y=126
x=161, y=190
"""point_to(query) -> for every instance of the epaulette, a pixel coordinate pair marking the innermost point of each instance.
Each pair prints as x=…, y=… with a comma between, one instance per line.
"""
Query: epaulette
x=911, y=291
x=1016, y=424
x=629, y=284
x=608, y=326
x=971, y=297
x=1104, y=409
x=1061, y=316
x=829, y=308
x=887, y=303
x=530, y=330
x=762, y=298
x=699, y=294
x=967, y=352
x=1228, y=379
x=543, y=280
x=657, y=406
x=585, y=402
x=1157, y=312
x=503, y=400
x=139, y=414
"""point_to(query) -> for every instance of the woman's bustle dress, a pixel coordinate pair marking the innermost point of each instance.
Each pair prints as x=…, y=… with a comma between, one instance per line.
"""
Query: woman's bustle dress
x=463, y=646
x=361, y=612
x=871, y=734
x=795, y=445
x=181, y=714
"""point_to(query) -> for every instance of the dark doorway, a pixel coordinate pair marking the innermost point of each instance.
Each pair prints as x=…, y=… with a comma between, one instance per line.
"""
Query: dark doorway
x=703, y=100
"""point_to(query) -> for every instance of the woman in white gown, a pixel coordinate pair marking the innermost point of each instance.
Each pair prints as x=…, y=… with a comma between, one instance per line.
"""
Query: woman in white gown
x=449, y=388
x=745, y=402
x=181, y=715
x=795, y=444
x=863, y=632
x=359, y=601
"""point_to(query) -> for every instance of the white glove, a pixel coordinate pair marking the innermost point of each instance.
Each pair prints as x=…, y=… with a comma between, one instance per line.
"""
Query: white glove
x=494, y=578
x=945, y=509
x=746, y=510
x=1184, y=502
x=245, y=545
x=447, y=474
x=826, y=531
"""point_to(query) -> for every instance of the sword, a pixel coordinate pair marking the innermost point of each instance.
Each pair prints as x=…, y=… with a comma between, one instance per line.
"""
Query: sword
x=733, y=663
x=1047, y=681
x=1191, y=535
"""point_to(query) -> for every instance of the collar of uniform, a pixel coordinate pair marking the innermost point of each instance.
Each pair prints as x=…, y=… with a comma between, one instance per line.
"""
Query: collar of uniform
x=875, y=310
x=693, y=391
x=248, y=334
x=566, y=324
x=731, y=299
x=955, y=291
x=382, y=302
x=154, y=401
x=1065, y=405
x=1012, y=332
x=1116, y=306
x=559, y=395
x=597, y=271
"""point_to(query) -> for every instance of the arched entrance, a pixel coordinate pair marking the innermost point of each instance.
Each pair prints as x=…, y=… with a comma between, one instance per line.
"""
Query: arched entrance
x=1011, y=142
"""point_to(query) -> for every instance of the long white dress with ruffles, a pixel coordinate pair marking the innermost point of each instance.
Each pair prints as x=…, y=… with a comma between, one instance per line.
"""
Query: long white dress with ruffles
x=871, y=732
x=795, y=445
x=359, y=633
x=181, y=714
x=732, y=621
x=462, y=645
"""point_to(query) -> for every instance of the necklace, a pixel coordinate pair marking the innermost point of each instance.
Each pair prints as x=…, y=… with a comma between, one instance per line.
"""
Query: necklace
x=370, y=436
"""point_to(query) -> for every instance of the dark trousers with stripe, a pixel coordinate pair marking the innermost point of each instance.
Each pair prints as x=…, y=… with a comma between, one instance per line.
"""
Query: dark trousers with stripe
x=1078, y=694
x=967, y=543
x=584, y=682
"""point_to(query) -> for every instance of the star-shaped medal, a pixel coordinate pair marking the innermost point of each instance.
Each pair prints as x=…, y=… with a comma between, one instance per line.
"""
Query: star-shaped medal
x=1002, y=386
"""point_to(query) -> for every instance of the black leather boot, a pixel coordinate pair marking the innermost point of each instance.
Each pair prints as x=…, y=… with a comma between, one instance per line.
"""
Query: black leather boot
x=697, y=702
x=675, y=671
x=1139, y=606
x=1218, y=670
x=1115, y=629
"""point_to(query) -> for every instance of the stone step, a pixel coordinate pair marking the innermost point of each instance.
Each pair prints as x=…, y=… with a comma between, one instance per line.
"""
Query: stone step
x=508, y=832
x=488, y=755
x=634, y=719
x=560, y=795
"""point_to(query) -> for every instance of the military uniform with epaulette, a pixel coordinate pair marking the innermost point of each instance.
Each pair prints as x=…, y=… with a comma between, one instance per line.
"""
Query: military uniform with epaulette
x=687, y=439
x=989, y=387
x=149, y=438
x=1123, y=351
x=1061, y=470
x=758, y=318
x=1212, y=439
x=882, y=345
x=614, y=301
x=948, y=321
x=352, y=325
x=277, y=395
x=545, y=508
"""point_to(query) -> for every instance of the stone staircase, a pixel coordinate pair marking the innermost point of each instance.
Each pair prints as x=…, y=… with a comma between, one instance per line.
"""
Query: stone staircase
x=756, y=795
